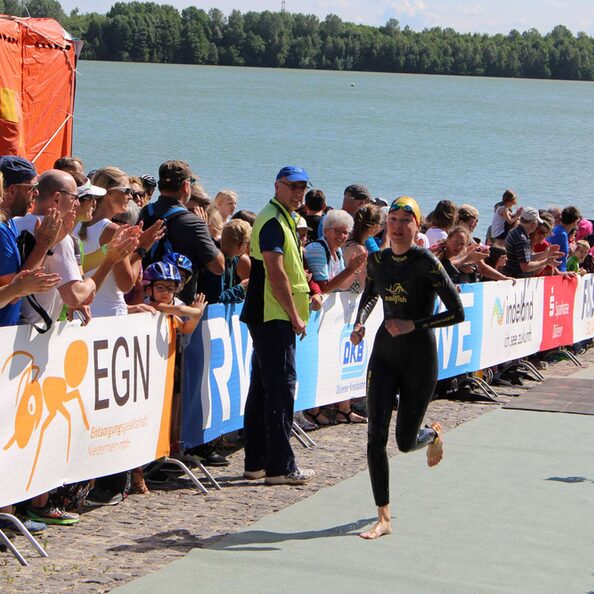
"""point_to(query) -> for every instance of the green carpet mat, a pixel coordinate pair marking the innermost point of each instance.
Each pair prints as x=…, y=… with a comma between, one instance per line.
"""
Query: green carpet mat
x=510, y=509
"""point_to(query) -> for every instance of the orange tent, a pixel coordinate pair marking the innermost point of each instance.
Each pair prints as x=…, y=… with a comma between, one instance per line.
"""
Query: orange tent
x=37, y=80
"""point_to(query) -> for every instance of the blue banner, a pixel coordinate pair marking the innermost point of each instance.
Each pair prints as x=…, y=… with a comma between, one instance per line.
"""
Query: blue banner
x=330, y=369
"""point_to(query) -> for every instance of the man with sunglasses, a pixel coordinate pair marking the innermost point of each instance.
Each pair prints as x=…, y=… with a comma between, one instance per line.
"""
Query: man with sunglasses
x=521, y=261
x=57, y=190
x=20, y=185
x=276, y=310
x=404, y=357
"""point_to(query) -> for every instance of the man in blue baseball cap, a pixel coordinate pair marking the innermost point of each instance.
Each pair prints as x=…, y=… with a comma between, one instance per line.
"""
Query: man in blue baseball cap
x=276, y=309
x=293, y=174
x=20, y=185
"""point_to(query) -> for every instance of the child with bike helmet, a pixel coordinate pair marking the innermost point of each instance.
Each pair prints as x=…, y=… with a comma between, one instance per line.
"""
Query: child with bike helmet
x=182, y=263
x=162, y=281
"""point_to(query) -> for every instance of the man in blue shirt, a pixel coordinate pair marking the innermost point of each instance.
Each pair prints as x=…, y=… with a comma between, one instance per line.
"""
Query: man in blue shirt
x=19, y=191
x=570, y=217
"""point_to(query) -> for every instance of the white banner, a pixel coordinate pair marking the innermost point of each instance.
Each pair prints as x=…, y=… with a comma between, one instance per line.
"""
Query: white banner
x=342, y=367
x=79, y=403
x=583, y=311
x=512, y=320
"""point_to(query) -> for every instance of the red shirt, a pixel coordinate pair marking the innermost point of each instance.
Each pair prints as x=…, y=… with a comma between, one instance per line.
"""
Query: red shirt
x=541, y=247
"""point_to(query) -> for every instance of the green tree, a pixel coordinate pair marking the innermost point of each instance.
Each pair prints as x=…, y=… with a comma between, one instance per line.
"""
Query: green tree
x=51, y=9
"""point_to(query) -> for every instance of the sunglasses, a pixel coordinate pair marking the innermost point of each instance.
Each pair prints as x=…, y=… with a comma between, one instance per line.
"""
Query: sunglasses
x=126, y=190
x=28, y=187
x=295, y=186
x=138, y=194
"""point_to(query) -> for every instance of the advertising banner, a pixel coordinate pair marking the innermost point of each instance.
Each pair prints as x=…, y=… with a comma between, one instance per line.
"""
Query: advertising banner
x=557, y=324
x=459, y=346
x=583, y=311
x=217, y=363
x=342, y=367
x=215, y=375
x=79, y=403
x=512, y=320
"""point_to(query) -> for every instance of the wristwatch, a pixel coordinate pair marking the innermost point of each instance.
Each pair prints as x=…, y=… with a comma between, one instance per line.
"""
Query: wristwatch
x=141, y=252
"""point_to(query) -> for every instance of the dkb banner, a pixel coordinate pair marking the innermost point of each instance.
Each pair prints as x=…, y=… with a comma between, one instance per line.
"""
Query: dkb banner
x=79, y=403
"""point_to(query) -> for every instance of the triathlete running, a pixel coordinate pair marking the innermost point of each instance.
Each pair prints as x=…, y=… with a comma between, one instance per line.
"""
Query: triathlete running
x=404, y=357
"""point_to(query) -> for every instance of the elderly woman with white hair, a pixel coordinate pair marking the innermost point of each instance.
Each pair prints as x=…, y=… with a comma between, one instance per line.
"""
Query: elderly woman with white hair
x=324, y=255
x=324, y=260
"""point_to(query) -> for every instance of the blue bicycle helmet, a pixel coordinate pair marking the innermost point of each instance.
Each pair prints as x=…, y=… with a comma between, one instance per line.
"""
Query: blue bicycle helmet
x=181, y=262
x=161, y=271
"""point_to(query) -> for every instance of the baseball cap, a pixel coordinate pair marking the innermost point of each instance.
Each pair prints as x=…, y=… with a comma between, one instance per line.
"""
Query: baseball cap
x=88, y=189
x=379, y=202
x=16, y=170
x=302, y=224
x=293, y=173
x=530, y=215
x=358, y=192
x=173, y=173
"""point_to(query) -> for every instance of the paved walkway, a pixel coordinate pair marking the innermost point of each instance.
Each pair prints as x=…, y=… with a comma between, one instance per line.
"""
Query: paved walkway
x=504, y=512
x=113, y=546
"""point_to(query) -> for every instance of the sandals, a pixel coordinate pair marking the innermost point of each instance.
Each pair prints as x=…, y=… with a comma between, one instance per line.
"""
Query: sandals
x=347, y=417
x=315, y=418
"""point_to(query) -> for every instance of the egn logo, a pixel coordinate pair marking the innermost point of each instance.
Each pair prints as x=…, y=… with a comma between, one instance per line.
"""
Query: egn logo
x=32, y=395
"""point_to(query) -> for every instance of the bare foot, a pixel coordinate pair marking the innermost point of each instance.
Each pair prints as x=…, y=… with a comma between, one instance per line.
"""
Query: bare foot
x=435, y=449
x=379, y=529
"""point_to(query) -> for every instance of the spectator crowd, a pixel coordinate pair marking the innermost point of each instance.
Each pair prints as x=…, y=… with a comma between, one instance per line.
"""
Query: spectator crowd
x=78, y=245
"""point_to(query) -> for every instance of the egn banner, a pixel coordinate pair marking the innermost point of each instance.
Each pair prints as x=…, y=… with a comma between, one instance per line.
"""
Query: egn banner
x=79, y=403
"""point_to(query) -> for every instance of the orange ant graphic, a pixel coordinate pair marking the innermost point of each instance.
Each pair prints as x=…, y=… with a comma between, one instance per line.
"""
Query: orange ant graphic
x=31, y=396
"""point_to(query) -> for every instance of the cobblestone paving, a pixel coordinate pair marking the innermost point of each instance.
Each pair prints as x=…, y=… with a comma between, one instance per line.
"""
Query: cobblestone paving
x=114, y=545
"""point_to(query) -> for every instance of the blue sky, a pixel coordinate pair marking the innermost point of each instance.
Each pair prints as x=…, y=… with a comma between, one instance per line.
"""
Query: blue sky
x=483, y=16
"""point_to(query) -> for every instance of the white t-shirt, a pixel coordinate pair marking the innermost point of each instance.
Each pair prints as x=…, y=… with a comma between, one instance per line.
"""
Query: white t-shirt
x=435, y=235
x=421, y=237
x=62, y=262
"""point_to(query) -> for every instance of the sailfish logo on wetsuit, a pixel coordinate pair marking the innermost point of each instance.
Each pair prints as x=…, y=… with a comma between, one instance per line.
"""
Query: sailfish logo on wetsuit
x=396, y=293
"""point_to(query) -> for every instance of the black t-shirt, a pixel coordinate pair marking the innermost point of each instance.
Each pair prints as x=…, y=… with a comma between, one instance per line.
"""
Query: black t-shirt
x=313, y=222
x=188, y=235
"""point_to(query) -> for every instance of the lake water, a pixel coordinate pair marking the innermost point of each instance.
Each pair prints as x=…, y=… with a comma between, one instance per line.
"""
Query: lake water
x=432, y=137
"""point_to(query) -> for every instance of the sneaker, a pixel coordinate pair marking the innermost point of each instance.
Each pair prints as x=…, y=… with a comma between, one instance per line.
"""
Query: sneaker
x=207, y=456
x=52, y=515
x=306, y=425
x=159, y=477
x=297, y=477
x=254, y=475
x=33, y=527
x=99, y=496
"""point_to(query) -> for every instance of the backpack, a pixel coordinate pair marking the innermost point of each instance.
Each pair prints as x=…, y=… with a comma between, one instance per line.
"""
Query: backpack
x=163, y=246
x=25, y=243
x=326, y=249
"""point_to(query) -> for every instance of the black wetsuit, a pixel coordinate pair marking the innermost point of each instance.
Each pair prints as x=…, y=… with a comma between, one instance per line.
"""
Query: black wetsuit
x=406, y=364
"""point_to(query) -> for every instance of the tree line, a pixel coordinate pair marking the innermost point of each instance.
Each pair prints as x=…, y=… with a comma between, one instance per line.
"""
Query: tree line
x=150, y=32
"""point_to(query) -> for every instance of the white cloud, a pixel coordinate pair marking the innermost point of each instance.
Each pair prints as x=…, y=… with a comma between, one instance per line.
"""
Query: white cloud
x=410, y=8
